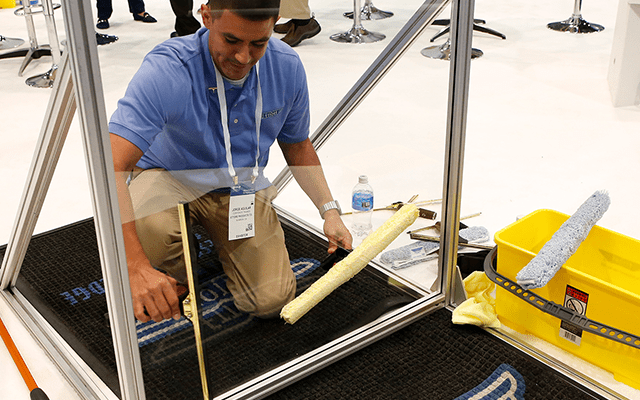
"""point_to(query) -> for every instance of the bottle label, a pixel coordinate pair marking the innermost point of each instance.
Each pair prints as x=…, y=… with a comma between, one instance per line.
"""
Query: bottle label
x=362, y=201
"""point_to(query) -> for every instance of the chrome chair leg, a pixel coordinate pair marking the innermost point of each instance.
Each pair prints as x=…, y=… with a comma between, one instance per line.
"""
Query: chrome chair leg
x=370, y=12
x=575, y=24
x=35, y=50
x=357, y=34
x=46, y=80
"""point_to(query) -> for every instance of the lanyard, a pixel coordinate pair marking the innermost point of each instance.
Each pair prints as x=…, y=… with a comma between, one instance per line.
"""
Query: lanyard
x=225, y=123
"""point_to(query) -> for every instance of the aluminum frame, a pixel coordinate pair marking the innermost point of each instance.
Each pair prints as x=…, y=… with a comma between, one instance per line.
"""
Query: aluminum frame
x=461, y=32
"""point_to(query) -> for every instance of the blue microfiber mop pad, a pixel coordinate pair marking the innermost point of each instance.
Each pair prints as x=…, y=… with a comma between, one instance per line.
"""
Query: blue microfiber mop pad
x=475, y=234
x=408, y=252
x=564, y=242
x=419, y=251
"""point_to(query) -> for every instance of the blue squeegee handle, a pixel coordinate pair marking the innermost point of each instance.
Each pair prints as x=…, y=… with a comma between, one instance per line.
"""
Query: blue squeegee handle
x=558, y=311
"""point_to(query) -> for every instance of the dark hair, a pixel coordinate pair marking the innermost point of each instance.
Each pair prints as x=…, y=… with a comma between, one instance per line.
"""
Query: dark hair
x=254, y=10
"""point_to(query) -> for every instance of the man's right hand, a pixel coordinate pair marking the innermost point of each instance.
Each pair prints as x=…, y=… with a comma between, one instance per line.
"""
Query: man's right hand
x=154, y=292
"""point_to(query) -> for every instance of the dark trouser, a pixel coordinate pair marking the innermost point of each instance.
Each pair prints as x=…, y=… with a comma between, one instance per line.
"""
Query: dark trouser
x=105, y=8
x=186, y=23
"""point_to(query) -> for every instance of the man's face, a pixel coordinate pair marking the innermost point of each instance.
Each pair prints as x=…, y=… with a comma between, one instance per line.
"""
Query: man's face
x=236, y=44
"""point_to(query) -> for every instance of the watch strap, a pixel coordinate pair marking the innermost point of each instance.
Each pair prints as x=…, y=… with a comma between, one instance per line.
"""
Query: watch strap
x=330, y=205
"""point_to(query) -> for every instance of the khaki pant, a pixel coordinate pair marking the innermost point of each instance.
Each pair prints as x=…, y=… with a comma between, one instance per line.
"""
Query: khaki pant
x=258, y=269
x=296, y=9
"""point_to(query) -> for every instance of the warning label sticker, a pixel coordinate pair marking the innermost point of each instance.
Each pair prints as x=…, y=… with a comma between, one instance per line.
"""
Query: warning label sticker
x=575, y=300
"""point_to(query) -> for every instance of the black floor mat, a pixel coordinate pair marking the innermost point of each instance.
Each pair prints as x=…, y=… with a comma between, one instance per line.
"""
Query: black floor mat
x=61, y=276
x=429, y=359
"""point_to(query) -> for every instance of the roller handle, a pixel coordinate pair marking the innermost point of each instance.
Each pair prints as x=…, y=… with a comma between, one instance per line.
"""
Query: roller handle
x=36, y=392
x=334, y=258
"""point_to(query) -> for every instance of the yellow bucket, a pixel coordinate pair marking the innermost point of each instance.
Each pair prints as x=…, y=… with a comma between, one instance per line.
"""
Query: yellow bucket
x=601, y=280
x=7, y=3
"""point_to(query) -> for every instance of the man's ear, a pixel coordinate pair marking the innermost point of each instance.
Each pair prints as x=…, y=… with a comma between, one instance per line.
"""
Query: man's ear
x=206, y=15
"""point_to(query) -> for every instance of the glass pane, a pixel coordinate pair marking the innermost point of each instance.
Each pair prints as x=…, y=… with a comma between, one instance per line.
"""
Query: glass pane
x=241, y=331
x=396, y=142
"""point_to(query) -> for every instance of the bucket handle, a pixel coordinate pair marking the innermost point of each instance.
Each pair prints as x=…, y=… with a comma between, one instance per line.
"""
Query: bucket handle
x=558, y=311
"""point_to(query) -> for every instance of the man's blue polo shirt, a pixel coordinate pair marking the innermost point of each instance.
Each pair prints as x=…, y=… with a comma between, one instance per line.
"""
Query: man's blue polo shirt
x=171, y=112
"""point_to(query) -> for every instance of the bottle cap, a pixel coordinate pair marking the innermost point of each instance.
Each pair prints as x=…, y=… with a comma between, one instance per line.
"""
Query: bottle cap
x=363, y=179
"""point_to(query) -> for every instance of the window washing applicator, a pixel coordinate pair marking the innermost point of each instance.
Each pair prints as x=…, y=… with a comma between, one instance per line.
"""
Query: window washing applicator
x=346, y=269
x=564, y=242
x=421, y=250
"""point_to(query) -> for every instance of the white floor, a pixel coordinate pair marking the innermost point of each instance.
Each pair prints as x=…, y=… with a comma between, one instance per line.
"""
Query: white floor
x=541, y=130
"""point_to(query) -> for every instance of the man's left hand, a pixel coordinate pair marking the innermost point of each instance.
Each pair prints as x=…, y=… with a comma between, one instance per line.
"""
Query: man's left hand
x=336, y=232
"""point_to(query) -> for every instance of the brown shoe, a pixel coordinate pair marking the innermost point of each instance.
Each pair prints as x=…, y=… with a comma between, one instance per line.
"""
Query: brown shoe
x=283, y=28
x=298, y=33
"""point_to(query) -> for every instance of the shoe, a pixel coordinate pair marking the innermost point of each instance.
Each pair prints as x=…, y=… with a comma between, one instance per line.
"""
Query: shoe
x=102, y=24
x=146, y=17
x=101, y=38
x=174, y=34
x=298, y=33
x=283, y=28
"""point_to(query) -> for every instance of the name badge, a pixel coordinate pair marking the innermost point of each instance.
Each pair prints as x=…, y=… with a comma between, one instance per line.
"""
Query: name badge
x=242, y=212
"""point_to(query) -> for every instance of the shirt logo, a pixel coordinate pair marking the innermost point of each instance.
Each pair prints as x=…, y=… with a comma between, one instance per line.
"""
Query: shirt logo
x=270, y=114
x=213, y=89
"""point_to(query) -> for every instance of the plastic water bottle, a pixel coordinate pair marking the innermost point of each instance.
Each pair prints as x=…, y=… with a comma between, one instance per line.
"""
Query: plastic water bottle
x=362, y=206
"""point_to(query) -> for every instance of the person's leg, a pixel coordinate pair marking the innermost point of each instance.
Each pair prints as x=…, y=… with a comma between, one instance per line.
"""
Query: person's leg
x=105, y=9
x=295, y=9
x=258, y=269
x=302, y=25
x=136, y=6
x=155, y=195
x=186, y=23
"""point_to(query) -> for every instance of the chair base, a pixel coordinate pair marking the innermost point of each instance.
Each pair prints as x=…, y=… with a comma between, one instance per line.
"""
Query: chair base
x=43, y=81
x=443, y=52
x=575, y=24
x=357, y=35
x=10, y=43
x=476, y=27
x=28, y=54
x=370, y=12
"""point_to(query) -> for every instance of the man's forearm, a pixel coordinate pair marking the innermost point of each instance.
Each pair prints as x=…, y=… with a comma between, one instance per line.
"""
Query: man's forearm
x=133, y=248
x=305, y=166
x=312, y=181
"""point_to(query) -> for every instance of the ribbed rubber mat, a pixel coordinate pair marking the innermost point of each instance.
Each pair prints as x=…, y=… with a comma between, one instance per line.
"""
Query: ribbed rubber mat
x=430, y=359
x=61, y=276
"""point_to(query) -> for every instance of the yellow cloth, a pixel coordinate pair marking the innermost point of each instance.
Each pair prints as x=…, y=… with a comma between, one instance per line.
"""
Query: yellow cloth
x=479, y=308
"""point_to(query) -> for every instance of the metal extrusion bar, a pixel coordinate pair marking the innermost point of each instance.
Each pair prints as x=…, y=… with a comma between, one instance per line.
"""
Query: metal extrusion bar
x=93, y=121
x=315, y=360
x=409, y=33
x=461, y=36
x=59, y=115
x=191, y=304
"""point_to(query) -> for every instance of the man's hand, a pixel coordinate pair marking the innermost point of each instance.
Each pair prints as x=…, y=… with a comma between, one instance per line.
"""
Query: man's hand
x=154, y=292
x=336, y=232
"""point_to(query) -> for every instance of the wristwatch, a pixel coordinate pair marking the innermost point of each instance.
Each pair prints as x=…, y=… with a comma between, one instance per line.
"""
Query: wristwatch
x=331, y=205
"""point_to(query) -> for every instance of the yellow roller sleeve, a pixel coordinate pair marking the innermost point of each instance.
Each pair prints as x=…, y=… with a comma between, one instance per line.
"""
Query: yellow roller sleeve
x=344, y=270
